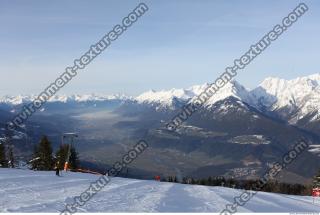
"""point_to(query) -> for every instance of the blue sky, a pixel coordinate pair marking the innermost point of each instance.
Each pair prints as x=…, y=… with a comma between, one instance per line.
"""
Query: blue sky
x=175, y=44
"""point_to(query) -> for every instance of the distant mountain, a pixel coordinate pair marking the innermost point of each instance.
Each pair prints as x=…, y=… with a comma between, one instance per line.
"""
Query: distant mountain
x=291, y=99
x=300, y=96
x=167, y=98
x=296, y=101
x=22, y=99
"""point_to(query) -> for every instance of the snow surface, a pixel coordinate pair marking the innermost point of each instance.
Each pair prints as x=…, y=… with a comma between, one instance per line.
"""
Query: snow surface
x=37, y=191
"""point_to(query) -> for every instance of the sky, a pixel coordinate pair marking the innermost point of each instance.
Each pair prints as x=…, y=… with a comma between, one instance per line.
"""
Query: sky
x=175, y=44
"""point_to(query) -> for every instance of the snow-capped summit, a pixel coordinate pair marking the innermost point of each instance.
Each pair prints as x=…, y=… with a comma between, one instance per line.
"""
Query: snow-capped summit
x=293, y=99
x=96, y=97
x=296, y=98
x=16, y=100
x=315, y=77
x=21, y=99
x=231, y=89
x=167, y=98
x=299, y=96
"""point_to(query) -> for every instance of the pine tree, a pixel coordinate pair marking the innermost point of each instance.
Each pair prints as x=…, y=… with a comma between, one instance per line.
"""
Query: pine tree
x=61, y=156
x=4, y=153
x=35, y=159
x=74, y=159
x=203, y=181
x=193, y=181
x=43, y=155
x=3, y=160
x=11, y=157
x=184, y=180
x=210, y=181
x=316, y=180
x=175, y=180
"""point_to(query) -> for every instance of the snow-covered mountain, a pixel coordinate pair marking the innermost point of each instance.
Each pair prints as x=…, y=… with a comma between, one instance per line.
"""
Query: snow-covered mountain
x=21, y=99
x=234, y=119
x=298, y=97
x=167, y=98
x=292, y=100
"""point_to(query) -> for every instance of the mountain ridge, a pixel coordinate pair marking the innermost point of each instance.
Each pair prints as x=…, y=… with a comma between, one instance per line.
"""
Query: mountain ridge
x=292, y=100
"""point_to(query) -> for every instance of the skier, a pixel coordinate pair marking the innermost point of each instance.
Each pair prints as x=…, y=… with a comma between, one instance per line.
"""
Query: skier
x=57, y=169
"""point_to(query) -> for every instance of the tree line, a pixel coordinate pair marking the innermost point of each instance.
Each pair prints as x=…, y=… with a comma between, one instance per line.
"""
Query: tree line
x=43, y=157
x=271, y=186
x=6, y=153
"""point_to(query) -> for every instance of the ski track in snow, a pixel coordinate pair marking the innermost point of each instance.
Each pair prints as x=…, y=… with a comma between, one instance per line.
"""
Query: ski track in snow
x=30, y=191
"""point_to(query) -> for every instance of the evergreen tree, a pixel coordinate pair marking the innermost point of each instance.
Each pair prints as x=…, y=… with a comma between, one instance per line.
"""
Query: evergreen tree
x=203, y=181
x=43, y=159
x=3, y=160
x=4, y=153
x=316, y=180
x=210, y=181
x=185, y=180
x=61, y=156
x=11, y=157
x=73, y=159
x=193, y=181
x=175, y=180
x=35, y=159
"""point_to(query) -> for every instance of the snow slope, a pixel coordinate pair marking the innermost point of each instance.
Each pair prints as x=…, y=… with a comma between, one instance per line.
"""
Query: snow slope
x=31, y=191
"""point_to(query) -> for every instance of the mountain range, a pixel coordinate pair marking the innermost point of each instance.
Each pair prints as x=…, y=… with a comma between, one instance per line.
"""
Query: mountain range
x=296, y=100
x=238, y=132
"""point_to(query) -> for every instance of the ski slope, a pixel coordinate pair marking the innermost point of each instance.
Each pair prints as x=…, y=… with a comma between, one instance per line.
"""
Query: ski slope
x=36, y=191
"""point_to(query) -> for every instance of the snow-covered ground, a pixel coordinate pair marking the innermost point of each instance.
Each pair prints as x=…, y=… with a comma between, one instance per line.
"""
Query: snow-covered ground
x=35, y=191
